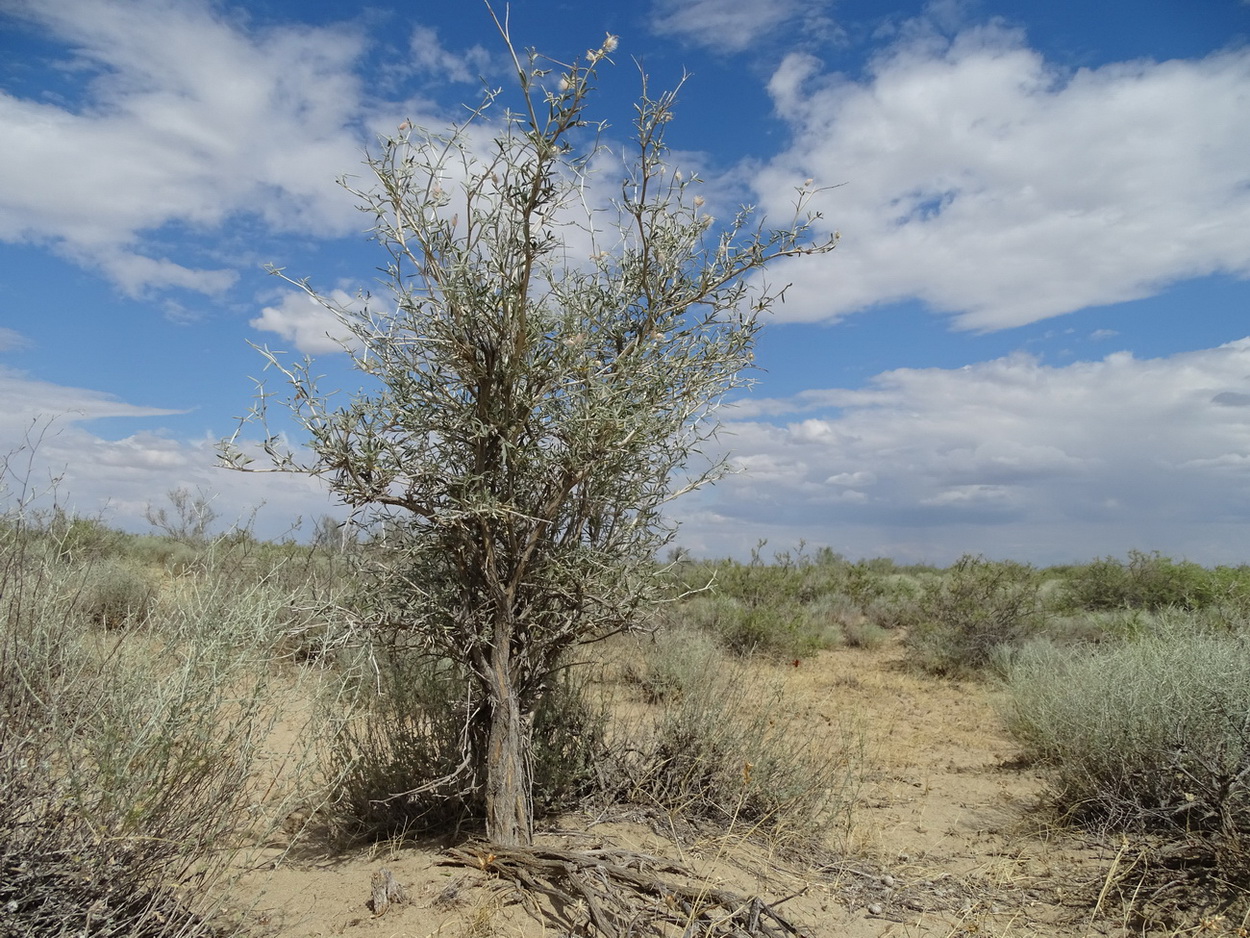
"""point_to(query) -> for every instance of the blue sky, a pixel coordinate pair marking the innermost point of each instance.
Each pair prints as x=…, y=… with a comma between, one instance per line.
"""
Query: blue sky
x=1032, y=342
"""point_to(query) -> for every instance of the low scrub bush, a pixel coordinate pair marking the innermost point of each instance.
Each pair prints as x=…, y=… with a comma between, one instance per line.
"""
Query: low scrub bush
x=958, y=621
x=725, y=753
x=127, y=759
x=784, y=630
x=175, y=557
x=1152, y=733
x=665, y=666
x=397, y=748
x=114, y=594
x=1147, y=581
x=863, y=633
x=80, y=540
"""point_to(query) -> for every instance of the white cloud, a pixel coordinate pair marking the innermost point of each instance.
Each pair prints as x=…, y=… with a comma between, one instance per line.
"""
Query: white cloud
x=48, y=454
x=312, y=327
x=12, y=341
x=731, y=25
x=432, y=59
x=27, y=400
x=1009, y=457
x=987, y=183
x=188, y=120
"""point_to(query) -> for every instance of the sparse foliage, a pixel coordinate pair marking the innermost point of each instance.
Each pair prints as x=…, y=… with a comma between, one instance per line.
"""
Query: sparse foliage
x=189, y=516
x=542, y=373
x=960, y=619
x=128, y=762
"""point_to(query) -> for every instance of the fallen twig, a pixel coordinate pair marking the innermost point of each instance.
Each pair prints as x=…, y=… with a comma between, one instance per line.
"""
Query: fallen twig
x=620, y=893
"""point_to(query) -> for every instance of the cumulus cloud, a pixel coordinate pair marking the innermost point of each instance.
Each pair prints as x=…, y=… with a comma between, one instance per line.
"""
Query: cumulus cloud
x=1009, y=456
x=988, y=183
x=432, y=59
x=732, y=26
x=188, y=120
x=311, y=326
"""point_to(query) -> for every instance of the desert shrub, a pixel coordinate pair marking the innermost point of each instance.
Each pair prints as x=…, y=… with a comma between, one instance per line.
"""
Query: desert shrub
x=81, y=539
x=746, y=629
x=664, y=666
x=1150, y=733
x=724, y=754
x=397, y=746
x=892, y=612
x=756, y=610
x=866, y=582
x=961, y=618
x=570, y=729
x=176, y=557
x=789, y=630
x=126, y=760
x=114, y=593
x=1146, y=581
x=790, y=608
x=863, y=632
x=393, y=742
x=751, y=584
x=1090, y=628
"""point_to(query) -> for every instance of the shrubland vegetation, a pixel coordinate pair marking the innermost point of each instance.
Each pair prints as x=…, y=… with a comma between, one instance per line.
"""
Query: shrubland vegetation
x=138, y=687
x=142, y=678
x=540, y=365
x=142, y=675
x=500, y=640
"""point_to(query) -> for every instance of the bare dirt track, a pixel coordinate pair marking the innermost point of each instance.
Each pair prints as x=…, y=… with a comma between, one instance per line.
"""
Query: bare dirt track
x=944, y=839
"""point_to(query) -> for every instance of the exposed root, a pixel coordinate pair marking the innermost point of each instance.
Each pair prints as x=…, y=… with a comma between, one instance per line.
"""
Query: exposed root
x=621, y=894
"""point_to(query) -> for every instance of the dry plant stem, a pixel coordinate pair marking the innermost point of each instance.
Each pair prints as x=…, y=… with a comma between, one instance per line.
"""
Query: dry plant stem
x=624, y=892
x=1108, y=880
x=384, y=890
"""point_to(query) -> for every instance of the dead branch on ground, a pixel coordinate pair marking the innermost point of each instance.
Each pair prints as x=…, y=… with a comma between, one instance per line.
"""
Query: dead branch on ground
x=621, y=894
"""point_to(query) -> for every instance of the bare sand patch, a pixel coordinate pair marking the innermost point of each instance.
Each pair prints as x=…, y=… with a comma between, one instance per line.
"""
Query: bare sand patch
x=944, y=841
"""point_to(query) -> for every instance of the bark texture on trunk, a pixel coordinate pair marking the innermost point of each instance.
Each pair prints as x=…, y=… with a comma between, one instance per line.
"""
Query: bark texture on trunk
x=509, y=782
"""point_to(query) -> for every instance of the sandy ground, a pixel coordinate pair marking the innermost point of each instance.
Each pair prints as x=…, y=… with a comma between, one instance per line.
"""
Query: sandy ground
x=944, y=838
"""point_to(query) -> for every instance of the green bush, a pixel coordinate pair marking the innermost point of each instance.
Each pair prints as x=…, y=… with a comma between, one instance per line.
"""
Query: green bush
x=669, y=663
x=1147, y=581
x=864, y=633
x=570, y=729
x=1151, y=733
x=790, y=630
x=892, y=612
x=726, y=753
x=80, y=539
x=176, y=557
x=960, y=620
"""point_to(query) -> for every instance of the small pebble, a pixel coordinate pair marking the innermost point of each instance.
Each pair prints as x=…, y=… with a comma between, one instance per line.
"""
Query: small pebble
x=887, y=880
x=874, y=909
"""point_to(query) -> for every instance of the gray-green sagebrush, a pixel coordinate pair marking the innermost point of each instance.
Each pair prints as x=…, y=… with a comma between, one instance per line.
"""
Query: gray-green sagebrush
x=542, y=370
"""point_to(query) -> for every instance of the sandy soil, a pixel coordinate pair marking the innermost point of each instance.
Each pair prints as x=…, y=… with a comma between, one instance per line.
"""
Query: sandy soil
x=944, y=839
